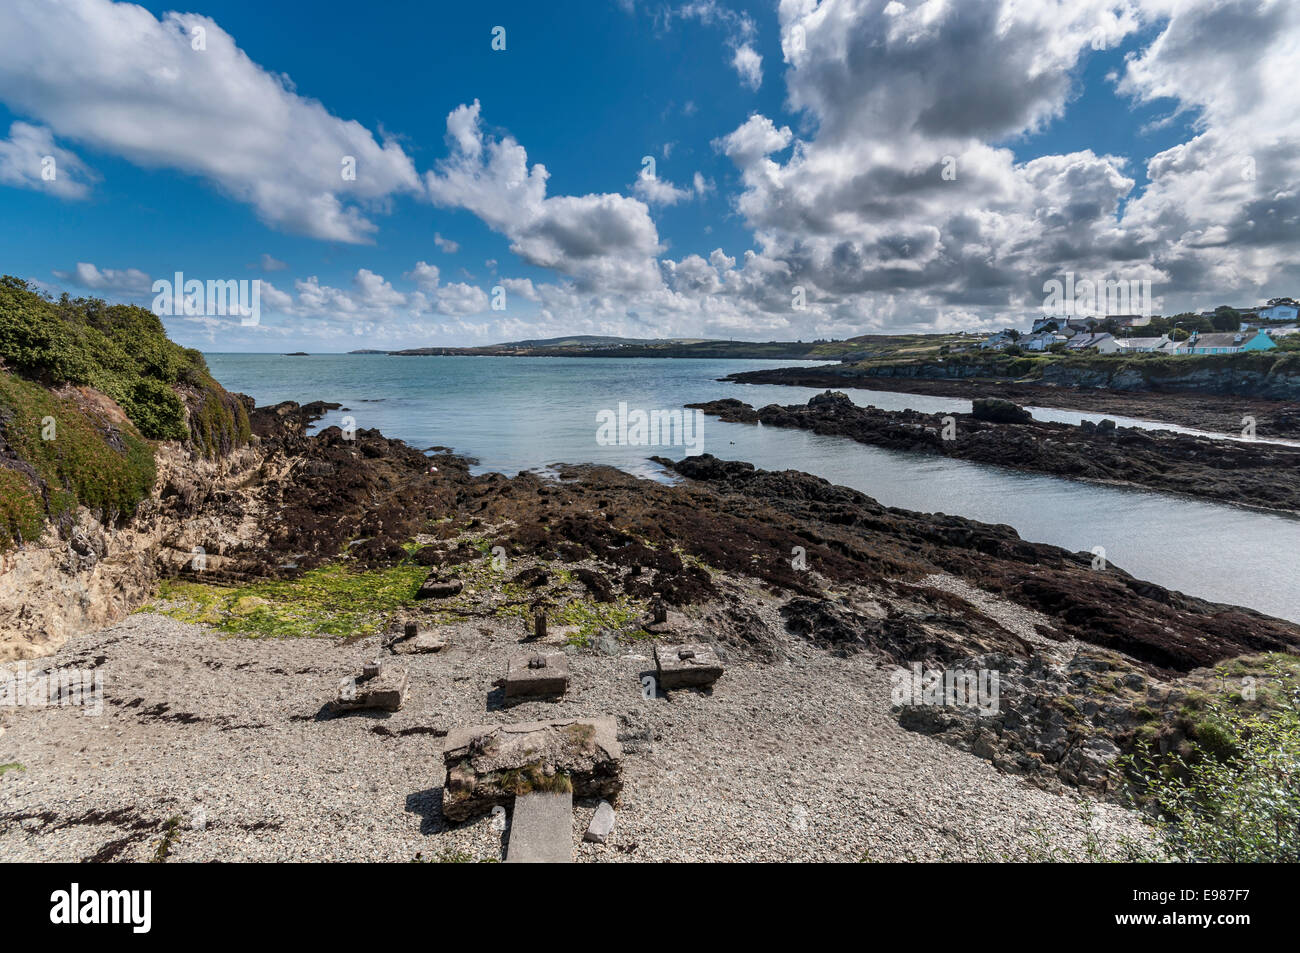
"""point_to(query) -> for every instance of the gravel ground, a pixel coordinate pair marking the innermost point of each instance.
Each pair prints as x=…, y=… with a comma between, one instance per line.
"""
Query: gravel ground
x=797, y=760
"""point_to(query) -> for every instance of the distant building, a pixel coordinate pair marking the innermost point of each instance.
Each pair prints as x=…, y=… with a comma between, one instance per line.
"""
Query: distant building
x=1279, y=312
x=1103, y=343
x=1002, y=339
x=1228, y=343
x=1140, y=345
x=1042, y=340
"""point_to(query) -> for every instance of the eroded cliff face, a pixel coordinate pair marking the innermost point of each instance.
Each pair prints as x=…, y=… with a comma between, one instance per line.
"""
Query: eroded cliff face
x=60, y=586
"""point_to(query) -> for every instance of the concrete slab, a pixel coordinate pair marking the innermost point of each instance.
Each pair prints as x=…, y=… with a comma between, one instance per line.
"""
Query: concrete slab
x=541, y=829
x=692, y=665
x=491, y=765
x=537, y=673
x=422, y=644
x=384, y=690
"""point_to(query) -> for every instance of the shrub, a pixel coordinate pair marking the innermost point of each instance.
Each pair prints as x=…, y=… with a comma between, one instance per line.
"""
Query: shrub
x=89, y=462
x=1233, y=794
x=122, y=351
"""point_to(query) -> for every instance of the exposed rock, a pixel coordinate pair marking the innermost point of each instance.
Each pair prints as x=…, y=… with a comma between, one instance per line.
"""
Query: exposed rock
x=999, y=411
x=384, y=689
x=1054, y=724
x=436, y=587
x=1218, y=407
x=487, y=766
x=421, y=644
x=531, y=578
x=1000, y=432
x=602, y=824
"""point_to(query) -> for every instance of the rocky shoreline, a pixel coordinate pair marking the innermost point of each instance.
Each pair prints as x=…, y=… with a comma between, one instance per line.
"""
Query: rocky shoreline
x=813, y=596
x=1214, y=413
x=1261, y=475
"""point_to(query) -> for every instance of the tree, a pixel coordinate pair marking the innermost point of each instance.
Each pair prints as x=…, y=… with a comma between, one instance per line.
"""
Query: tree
x=1226, y=319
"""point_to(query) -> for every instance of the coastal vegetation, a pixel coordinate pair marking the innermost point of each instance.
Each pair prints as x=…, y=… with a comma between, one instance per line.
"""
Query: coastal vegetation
x=61, y=444
x=58, y=456
x=1227, y=789
x=339, y=599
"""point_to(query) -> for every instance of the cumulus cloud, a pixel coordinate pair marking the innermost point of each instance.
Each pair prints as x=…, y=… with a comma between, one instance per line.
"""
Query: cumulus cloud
x=656, y=191
x=749, y=65
x=888, y=196
x=179, y=93
x=900, y=193
x=30, y=159
x=127, y=281
x=605, y=241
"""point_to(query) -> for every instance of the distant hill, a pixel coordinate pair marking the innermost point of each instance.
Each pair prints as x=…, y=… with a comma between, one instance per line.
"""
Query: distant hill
x=592, y=345
x=597, y=340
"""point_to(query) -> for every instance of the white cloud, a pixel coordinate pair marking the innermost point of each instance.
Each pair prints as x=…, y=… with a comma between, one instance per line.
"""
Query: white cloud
x=741, y=30
x=29, y=159
x=657, y=191
x=424, y=275
x=113, y=77
x=899, y=194
x=749, y=65
x=600, y=240
x=445, y=244
x=271, y=263
x=127, y=281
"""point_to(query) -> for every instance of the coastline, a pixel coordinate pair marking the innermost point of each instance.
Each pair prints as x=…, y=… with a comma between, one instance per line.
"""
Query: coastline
x=809, y=645
x=1208, y=412
x=1259, y=476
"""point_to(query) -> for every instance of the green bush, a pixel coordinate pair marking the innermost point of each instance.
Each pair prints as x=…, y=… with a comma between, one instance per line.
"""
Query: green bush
x=1234, y=794
x=122, y=351
x=104, y=464
x=21, y=514
x=87, y=461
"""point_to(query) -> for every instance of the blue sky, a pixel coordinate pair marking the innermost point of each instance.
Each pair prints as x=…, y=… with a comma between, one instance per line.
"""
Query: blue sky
x=794, y=145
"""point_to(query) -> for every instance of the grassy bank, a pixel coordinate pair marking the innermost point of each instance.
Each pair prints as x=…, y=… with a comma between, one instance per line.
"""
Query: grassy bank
x=61, y=445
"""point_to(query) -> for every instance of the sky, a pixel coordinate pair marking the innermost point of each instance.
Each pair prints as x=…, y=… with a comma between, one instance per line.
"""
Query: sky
x=409, y=173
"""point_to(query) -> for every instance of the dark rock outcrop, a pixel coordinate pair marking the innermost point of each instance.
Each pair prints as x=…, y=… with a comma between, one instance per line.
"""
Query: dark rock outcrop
x=1263, y=475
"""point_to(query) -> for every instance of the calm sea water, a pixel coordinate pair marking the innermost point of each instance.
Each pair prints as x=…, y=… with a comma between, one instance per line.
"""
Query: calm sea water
x=514, y=414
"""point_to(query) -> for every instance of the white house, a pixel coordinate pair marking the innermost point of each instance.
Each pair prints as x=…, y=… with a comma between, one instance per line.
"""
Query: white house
x=1139, y=345
x=1042, y=340
x=1002, y=339
x=1103, y=343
